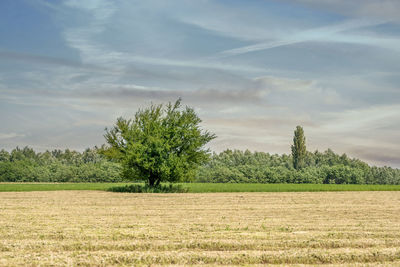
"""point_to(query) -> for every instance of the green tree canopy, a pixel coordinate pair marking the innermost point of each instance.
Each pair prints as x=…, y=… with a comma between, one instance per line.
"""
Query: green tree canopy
x=162, y=143
x=299, y=150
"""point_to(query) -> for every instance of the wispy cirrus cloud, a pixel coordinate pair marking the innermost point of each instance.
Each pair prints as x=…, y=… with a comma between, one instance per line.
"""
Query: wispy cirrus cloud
x=383, y=9
x=92, y=52
x=323, y=34
x=92, y=61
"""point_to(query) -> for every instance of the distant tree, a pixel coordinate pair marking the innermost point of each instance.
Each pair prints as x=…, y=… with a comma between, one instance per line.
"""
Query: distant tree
x=299, y=151
x=160, y=144
x=4, y=156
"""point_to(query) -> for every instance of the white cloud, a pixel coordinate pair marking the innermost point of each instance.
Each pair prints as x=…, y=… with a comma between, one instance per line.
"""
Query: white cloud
x=369, y=133
x=381, y=9
x=327, y=33
x=4, y=136
x=245, y=100
x=363, y=119
x=274, y=83
x=96, y=53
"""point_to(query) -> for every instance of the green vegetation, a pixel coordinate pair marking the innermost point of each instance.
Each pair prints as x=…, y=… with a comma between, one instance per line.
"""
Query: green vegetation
x=199, y=187
x=25, y=165
x=138, y=188
x=230, y=166
x=228, y=187
x=235, y=166
x=299, y=150
x=27, y=187
x=165, y=144
x=161, y=144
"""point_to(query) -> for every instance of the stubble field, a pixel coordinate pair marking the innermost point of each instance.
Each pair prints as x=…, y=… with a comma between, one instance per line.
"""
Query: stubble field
x=96, y=228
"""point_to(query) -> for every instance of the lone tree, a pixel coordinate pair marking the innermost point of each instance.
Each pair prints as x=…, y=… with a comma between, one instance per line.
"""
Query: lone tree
x=299, y=148
x=162, y=143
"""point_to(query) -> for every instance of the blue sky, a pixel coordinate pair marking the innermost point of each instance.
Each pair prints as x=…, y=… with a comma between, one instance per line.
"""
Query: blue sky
x=253, y=70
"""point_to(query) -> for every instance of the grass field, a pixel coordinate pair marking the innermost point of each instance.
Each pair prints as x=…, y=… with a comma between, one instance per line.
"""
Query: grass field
x=26, y=187
x=203, y=187
x=97, y=228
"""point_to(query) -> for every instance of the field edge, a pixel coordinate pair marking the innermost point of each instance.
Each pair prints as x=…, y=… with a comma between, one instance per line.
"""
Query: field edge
x=203, y=187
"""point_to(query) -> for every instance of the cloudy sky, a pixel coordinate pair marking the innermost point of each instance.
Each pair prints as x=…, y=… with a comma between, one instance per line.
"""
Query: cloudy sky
x=253, y=70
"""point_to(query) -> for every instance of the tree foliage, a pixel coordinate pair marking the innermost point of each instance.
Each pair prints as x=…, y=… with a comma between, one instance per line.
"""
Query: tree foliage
x=230, y=166
x=299, y=148
x=160, y=144
x=165, y=143
x=25, y=165
x=235, y=166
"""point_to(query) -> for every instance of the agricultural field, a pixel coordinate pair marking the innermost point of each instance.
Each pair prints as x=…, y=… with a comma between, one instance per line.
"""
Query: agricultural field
x=203, y=187
x=98, y=228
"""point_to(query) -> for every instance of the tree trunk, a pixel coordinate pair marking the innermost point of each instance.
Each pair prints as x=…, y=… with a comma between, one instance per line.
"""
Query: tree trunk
x=153, y=180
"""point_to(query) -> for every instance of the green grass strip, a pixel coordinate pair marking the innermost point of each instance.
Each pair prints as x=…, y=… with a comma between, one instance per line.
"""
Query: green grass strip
x=25, y=187
x=202, y=187
x=209, y=187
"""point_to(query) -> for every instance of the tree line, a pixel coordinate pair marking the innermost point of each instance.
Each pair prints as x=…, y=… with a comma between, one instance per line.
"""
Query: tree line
x=165, y=143
x=301, y=166
x=229, y=166
x=26, y=165
x=235, y=166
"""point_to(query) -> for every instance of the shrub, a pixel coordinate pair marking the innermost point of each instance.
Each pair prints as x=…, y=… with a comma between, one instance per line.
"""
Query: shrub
x=137, y=188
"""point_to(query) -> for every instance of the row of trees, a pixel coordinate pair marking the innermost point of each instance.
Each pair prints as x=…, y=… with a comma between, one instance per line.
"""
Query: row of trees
x=165, y=143
x=230, y=166
x=235, y=166
x=25, y=165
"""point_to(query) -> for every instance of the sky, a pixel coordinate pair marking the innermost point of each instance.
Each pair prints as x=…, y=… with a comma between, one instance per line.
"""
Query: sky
x=252, y=69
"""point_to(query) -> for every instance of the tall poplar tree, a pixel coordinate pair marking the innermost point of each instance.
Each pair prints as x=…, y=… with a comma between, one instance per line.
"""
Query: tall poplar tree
x=299, y=148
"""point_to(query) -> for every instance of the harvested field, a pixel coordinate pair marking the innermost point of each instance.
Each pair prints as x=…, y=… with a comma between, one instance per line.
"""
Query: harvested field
x=96, y=228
